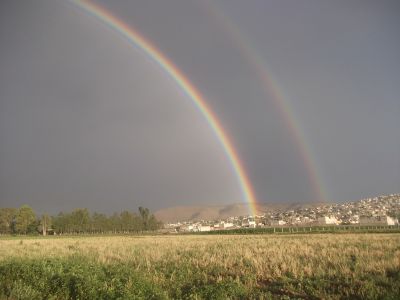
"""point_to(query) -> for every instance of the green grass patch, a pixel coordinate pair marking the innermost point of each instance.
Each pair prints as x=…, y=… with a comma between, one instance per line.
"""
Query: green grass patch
x=78, y=277
x=74, y=277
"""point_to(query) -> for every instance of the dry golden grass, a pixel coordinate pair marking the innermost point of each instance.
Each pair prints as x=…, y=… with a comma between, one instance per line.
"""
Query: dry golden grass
x=264, y=256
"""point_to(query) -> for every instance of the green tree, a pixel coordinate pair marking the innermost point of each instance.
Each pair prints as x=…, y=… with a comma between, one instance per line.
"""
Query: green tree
x=149, y=221
x=115, y=222
x=80, y=219
x=7, y=217
x=25, y=220
x=144, y=213
x=100, y=223
x=45, y=223
x=126, y=221
x=153, y=223
x=59, y=223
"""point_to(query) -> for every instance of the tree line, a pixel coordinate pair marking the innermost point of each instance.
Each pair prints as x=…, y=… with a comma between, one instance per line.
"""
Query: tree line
x=23, y=220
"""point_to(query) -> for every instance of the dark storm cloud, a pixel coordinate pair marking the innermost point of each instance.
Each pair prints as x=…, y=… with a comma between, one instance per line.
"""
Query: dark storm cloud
x=87, y=120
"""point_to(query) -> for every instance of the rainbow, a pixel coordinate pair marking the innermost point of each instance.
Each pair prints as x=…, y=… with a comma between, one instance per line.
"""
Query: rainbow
x=272, y=89
x=138, y=40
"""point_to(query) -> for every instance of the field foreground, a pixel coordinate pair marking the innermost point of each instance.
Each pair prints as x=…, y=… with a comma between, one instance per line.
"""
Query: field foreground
x=326, y=266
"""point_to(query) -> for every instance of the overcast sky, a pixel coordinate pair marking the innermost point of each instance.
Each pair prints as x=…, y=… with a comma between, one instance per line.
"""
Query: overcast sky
x=87, y=120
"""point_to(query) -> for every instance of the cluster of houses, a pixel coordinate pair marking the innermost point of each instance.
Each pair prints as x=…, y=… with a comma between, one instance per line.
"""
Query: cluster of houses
x=201, y=226
x=380, y=210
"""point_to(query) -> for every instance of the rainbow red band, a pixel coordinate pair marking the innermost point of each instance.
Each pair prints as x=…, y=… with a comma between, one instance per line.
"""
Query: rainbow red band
x=183, y=82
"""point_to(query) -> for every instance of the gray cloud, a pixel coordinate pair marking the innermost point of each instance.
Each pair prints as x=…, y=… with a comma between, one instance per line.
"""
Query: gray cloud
x=87, y=120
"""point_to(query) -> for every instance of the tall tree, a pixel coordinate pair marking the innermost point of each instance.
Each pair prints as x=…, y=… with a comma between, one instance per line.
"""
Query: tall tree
x=80, y=219
x=153, y=223
x=45, y=223
x=7, y=217
x=126, y=221
x=59, y=223
x=25, y=219
x=144, y=213
x=115, y=222
x=100, y=223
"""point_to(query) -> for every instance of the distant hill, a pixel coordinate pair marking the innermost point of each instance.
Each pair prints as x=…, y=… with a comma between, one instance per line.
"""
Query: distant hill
x=217, y=212
x=382, y=204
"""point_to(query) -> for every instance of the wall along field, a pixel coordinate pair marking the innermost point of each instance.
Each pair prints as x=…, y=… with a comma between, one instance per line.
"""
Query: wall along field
x=328, y=266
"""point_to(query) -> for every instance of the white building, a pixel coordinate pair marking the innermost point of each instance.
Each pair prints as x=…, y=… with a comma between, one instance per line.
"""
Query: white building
x=380, y=220
x=325, y=220
x=203, y=228
x=224, y=225
x=249, y=223
x=278, y=223
x=187, y=228
x=305, y=220
x=354, y=219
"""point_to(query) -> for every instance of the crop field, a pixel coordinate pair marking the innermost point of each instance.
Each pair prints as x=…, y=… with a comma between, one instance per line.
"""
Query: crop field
x=323, y=266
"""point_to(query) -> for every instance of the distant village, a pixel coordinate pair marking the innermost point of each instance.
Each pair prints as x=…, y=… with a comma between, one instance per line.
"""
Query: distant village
x=382, y=210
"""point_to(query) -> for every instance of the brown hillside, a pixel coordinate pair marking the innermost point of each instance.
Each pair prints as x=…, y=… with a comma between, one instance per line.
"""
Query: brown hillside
x=215, y=212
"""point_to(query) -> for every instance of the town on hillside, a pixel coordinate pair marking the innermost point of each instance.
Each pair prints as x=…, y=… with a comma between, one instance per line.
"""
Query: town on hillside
x=382, y=210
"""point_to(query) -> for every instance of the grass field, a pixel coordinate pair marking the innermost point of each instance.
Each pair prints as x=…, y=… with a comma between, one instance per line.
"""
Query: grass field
x=324, y=266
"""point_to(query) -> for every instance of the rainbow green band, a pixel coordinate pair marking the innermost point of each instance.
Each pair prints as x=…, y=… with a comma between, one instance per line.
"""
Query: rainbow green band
x=198, y=100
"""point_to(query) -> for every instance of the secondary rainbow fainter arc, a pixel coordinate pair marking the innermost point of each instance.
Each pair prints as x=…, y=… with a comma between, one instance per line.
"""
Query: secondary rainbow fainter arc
x=276, y=93
x=138, y=40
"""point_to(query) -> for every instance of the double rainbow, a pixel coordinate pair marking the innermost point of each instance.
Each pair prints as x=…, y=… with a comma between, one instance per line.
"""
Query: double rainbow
x=138, y=40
